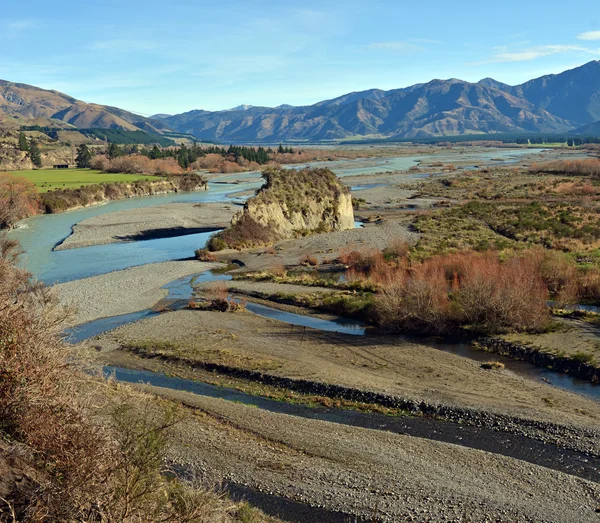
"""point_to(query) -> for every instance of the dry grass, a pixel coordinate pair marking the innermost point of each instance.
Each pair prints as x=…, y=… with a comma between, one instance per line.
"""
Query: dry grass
x=87, y=460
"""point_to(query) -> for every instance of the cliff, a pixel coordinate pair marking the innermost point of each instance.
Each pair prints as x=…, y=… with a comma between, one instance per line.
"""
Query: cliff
x=66, y=199
x=291, y=203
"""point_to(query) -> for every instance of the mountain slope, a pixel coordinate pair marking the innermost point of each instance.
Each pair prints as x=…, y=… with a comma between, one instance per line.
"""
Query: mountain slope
x=49, y=107
x=590, y=129
x=550, y=104
x=573, y=95
x=438, y=108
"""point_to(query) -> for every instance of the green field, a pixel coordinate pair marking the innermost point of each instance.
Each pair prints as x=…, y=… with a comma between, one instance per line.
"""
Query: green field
x=48, y=179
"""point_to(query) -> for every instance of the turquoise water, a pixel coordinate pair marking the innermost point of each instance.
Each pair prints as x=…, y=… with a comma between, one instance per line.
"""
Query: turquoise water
x=39, y=235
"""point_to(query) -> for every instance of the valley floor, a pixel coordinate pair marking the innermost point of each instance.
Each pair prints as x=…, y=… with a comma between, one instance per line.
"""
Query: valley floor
x=496, y=445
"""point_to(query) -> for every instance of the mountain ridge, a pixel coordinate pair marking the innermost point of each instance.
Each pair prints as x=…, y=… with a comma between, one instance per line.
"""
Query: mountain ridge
x=553, y=103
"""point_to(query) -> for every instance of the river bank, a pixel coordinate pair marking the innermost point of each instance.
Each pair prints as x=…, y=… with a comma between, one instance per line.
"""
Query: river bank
x=123, y=292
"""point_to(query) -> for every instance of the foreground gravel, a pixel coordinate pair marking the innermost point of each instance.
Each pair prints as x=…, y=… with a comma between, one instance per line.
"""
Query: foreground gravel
x=126, y=291
x=370, y=473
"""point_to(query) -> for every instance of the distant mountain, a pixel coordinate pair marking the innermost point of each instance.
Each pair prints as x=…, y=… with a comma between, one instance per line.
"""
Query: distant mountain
x=591, y=129
x=550, y=104
x=242, y=107
x=573, y=95
x=438, y=108
x=32, y=105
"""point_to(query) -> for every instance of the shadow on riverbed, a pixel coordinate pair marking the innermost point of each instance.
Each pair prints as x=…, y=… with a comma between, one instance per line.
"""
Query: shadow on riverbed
x=170, y=232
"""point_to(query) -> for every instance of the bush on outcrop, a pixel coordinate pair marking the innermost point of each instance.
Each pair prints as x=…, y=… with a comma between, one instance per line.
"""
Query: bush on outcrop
x=290, y=203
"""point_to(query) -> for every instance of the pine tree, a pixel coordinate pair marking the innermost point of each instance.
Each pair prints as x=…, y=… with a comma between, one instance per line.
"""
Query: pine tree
x=114, y=151
x=34, y=153
x=280, y=150
x=183, y=158
x=23, y=142
x=154, y=153
x=84, y=156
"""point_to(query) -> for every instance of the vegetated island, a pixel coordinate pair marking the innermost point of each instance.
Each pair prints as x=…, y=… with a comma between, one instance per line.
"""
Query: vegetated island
x=290, y=204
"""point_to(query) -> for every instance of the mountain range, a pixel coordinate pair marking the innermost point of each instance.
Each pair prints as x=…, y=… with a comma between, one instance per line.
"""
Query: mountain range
x=569, y=101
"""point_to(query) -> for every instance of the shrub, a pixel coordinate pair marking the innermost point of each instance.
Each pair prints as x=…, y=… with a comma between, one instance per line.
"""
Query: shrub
x=18, y=199
x=243, y=234
x=464, y=290
x=205, y=255
x=91, y=461
x=492, y=365
x=309, y=260
x=587, y=167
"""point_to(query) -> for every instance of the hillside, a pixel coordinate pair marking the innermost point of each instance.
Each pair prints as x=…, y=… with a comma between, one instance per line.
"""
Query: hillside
x=28, y=105
x=553, y=103
x=549, y=104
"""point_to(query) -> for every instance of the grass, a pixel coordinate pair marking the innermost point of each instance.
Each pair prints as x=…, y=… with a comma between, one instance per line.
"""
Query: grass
x=49, y=179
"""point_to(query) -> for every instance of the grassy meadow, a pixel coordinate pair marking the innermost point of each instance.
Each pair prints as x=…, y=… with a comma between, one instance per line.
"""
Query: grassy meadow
x=49, y=179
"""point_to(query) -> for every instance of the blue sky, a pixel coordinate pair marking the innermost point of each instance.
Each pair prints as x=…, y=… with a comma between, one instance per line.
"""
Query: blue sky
x=174, y=56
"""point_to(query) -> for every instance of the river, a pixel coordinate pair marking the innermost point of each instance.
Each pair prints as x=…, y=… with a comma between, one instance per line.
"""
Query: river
x=40, y=234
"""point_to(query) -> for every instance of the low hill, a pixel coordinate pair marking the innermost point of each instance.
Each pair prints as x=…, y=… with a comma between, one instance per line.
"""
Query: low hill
x=29, y=105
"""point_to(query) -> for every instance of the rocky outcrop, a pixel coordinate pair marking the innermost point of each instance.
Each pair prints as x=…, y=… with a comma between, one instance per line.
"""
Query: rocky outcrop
x=327, y=214
x=290, y=204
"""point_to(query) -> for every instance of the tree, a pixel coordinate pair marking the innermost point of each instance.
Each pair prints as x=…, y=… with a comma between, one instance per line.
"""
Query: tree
x=23, y=142
x=183, y=158
x=280, y=149
x=155, y=153
x=84, y=156
x=34, y=153
x=114, y=151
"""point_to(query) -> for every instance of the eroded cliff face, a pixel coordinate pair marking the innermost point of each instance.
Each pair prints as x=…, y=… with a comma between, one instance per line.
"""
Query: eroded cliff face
x=291, y=203
x=331, y=213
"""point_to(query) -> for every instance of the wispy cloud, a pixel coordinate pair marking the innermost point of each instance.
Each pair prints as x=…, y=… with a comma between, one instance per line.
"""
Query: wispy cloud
x=123, y=44
x=502, y=54
x=15, y=28
x=401, y=46
x=590, y=35
x=18, y=25
x=425, y=41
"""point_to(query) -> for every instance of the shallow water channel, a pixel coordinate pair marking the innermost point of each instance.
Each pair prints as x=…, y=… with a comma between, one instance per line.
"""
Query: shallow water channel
x=40, y=234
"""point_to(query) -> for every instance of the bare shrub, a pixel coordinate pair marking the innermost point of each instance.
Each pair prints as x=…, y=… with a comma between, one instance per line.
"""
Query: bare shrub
x=88, y=466
x=467, y=289
x=245, y=233
x=18, y=199
x=309, y=260
x=558, y=272
x=587, y=167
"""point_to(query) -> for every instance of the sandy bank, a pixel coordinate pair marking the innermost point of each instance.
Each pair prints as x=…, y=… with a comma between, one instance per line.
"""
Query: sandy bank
x=160, y=221
x=123, y=292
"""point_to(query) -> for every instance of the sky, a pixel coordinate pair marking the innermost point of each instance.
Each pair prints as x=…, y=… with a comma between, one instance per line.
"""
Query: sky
x=174, y=56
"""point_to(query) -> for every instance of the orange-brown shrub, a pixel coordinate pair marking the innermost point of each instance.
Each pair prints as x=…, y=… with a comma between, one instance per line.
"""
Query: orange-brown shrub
x=18, y=199
x=558, y=272
x=309, y=260
x=138, y=164
x=467, y=289
x=587, y=167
